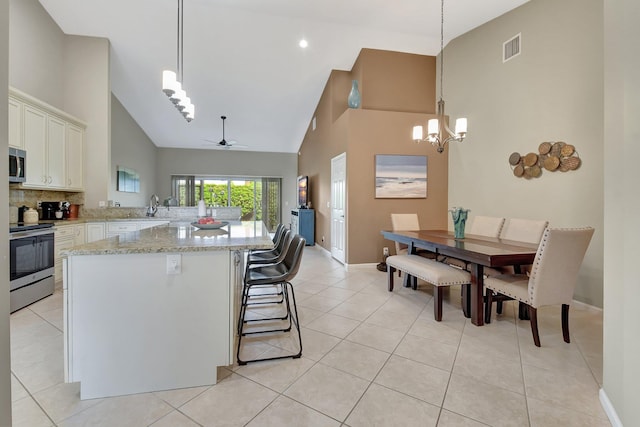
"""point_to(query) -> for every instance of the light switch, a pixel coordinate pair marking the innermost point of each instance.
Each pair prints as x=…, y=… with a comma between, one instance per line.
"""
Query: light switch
x=174, y=264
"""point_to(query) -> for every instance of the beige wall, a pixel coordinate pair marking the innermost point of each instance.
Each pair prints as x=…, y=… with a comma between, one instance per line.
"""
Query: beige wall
x=621, y=291
x=131, y=148
x=553, y=91
x=5, y=353
x=177, y=161
x=397, y=93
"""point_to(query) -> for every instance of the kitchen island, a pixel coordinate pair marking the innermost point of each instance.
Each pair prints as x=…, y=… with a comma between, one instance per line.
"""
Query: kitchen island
x=154, y=309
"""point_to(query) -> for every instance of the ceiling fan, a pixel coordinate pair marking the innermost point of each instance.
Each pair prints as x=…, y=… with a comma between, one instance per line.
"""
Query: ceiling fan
x=224, y=144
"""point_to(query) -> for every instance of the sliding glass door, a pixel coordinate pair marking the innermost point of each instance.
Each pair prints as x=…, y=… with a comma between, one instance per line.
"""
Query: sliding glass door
x=259, y=198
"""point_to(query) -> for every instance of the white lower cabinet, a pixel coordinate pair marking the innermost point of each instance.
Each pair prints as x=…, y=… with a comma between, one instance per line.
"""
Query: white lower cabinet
x=95, y=231
x=102, y=230
x=66, y=236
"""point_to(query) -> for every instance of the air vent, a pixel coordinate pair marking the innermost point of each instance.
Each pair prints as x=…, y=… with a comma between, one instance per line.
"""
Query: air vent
x=511, y=48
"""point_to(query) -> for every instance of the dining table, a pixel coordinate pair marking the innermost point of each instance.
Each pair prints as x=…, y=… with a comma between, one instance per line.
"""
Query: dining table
x=476, y=251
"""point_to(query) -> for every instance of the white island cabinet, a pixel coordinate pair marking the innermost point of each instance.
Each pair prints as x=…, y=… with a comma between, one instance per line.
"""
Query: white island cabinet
x=154, y=309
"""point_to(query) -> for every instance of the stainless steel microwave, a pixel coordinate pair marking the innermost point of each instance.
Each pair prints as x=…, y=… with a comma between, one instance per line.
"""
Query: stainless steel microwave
x=17, y=165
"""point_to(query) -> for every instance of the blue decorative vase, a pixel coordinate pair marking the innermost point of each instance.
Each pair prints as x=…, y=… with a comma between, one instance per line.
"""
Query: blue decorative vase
x=459, y=216
x=354, y=96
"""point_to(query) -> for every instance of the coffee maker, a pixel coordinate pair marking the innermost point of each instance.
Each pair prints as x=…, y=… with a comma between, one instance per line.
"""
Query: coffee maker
x=49, y=210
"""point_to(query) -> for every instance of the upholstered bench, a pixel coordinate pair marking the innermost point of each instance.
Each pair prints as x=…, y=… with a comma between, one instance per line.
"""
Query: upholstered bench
x=436, y=273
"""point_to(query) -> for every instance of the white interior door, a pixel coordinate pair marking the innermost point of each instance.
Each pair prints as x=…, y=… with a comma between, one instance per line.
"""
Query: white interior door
x=338, y=206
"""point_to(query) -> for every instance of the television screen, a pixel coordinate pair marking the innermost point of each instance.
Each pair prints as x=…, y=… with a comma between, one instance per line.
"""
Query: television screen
x=303, y=191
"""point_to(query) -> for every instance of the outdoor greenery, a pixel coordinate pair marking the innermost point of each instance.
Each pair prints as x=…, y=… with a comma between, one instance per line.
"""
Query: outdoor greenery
x=241, y=195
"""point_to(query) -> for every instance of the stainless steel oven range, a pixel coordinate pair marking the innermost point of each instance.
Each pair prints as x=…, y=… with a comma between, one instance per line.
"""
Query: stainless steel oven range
x=31, y=264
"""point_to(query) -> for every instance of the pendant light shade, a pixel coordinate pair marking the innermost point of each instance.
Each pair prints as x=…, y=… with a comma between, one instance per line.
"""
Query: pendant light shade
x=169, y=82
x=171, y=86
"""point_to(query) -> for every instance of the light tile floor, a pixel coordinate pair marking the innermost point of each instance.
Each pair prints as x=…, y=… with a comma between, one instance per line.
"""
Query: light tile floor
x=370, y=357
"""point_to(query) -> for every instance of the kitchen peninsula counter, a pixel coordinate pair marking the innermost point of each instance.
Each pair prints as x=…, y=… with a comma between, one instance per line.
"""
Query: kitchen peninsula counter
x=181, y=237
x=154, y=309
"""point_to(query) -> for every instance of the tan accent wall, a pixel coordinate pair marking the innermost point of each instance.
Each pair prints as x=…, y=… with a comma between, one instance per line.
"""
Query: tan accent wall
x=398, y=92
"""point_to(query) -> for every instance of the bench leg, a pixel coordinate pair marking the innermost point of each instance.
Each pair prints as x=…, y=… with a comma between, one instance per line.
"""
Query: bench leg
x=390, y=271
x=414, y=283
x=437, y=303
x=406, y=280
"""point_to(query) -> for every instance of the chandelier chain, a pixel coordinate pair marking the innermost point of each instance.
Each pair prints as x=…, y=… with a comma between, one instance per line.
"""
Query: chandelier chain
x=441, y=48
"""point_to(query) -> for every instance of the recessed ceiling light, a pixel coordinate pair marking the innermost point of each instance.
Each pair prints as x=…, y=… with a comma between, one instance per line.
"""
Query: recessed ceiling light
x=303, y=43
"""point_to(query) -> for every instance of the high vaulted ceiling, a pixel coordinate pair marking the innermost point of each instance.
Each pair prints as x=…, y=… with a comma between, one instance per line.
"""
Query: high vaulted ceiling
x=241, y=58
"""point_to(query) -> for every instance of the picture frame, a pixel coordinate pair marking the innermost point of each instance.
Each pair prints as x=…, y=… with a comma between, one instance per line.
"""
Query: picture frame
x=400, y=176
x=128, y=180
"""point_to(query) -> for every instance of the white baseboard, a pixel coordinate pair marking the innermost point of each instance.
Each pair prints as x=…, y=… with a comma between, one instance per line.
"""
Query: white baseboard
x=585, y=305
x=365, y=266
x=609, y=409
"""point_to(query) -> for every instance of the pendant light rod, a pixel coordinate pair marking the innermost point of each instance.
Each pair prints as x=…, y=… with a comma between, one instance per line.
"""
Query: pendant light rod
x=182, y=40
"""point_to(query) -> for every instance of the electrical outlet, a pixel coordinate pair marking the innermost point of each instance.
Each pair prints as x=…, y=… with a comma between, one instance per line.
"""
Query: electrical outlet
x=174, y=264
x=385, y=251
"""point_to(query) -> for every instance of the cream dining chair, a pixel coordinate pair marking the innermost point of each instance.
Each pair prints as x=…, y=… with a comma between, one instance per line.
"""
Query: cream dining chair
x=552, y=279
x=520, y=230
x=404, y=222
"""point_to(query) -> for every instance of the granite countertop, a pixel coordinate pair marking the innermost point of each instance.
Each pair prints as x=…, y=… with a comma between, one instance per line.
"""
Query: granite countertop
x=180, y=237
x=72, y=221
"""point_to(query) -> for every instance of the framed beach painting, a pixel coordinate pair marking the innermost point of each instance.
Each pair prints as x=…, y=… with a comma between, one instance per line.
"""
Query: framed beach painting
x=401, y=177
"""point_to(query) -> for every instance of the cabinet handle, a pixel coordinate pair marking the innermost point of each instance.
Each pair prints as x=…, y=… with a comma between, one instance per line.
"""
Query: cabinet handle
x=44, y=179
x=50, y=180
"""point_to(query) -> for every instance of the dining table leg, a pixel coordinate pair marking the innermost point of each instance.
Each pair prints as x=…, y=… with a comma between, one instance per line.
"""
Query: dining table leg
x=477, y=285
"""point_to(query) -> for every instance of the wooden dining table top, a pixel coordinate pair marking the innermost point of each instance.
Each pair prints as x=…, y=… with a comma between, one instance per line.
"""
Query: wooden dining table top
x=486, y=251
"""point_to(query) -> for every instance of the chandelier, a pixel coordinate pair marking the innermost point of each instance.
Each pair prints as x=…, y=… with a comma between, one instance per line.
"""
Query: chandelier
x=438, y=133
x=171, y=86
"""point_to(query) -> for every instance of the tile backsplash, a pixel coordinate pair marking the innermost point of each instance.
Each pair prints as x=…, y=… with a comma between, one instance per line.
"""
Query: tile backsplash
x=22, y=197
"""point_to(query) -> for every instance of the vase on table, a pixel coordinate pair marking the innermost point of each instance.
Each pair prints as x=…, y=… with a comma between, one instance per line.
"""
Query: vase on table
x=459, y=216
x=354, y=96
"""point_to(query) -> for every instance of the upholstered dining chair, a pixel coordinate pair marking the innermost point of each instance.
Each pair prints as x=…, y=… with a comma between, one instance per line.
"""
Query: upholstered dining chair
x=552, y=279
x=489, y=226
x=520, y=230
x=404, y=222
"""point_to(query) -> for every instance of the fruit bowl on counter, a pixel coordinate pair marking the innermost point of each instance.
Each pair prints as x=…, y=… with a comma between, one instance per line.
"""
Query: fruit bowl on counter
x=208, y=223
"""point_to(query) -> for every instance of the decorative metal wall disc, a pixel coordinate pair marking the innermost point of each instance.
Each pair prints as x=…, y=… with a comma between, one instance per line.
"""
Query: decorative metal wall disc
x=554, y=156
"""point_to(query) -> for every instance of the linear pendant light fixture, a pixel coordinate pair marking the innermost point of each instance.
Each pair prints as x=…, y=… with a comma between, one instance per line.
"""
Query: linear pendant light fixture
x=171, y=86
x=438, y=133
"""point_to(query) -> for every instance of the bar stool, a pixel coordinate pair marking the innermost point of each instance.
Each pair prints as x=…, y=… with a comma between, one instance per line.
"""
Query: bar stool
x=275, y=239
x=272, y=256
x=279, y=274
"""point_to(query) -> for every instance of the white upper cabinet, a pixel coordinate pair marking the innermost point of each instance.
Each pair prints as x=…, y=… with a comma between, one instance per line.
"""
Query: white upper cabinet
x=53, y=140
x=75, y=157
x=35, y=137
x=15, y=124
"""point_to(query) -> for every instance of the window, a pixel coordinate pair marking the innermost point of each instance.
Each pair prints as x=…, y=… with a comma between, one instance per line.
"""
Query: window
x=259, y=198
